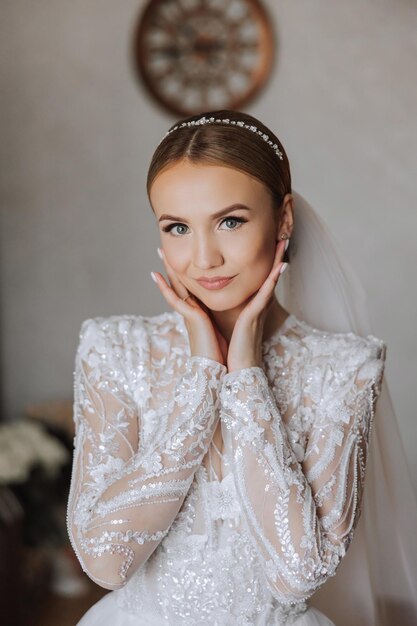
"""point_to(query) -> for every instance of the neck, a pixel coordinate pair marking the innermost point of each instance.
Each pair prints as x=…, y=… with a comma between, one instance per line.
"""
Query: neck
x=226, y=320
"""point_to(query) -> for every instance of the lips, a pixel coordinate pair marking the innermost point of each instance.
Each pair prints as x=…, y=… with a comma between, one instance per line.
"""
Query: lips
x=216, y=282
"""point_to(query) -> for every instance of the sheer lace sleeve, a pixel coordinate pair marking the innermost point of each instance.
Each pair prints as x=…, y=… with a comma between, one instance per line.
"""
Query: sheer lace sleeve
x=125, y=493
x=301, y=489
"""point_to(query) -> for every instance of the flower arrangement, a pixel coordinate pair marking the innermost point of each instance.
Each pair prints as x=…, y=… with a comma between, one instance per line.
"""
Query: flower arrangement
x=24, y=445
x=31, y=464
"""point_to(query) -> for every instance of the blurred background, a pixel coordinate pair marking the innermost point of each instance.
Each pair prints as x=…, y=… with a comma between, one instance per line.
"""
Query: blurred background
x=88, y=89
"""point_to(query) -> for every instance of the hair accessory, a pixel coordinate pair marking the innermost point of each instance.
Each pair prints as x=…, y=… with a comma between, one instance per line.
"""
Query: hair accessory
x=212, y=120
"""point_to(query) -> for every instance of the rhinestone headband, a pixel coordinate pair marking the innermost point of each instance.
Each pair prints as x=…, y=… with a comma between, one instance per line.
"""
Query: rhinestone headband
x=211, y=120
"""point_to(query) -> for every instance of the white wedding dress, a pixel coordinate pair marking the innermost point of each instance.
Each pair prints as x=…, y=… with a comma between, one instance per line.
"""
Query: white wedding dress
x=181, y=543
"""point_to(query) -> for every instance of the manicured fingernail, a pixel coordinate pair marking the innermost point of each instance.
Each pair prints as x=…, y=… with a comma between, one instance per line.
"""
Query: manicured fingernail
x=160, y=253
x=287, y=243
x=154, y=278
x=283, y=268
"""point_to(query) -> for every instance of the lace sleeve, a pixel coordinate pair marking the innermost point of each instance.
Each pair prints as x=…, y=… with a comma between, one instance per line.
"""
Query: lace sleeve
x=124, y=496
x=301, y=506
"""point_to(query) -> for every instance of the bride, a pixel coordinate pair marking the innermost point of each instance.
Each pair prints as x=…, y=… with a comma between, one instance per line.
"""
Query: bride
x=221, y=447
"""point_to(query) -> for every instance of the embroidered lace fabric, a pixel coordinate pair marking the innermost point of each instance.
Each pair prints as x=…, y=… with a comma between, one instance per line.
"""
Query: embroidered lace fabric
x=148, y=515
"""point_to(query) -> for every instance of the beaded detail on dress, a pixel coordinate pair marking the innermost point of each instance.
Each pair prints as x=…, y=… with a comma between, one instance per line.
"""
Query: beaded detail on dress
x=145, y=516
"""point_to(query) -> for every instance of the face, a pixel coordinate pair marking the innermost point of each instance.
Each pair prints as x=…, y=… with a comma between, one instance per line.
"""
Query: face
x=215, y=222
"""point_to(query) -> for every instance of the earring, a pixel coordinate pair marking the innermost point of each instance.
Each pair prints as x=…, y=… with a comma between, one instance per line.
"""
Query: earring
x=287, y=237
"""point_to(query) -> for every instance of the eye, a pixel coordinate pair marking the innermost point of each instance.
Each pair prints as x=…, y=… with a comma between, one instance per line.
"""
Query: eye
x=233, y=221
x=177, y=229
x=170, y=229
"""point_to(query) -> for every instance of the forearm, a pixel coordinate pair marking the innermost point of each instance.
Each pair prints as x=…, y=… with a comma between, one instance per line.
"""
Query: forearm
x=116, y=523
x=300, y=512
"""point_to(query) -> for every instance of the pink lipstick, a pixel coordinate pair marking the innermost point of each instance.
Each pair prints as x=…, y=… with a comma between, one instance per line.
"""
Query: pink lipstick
x=215, y=282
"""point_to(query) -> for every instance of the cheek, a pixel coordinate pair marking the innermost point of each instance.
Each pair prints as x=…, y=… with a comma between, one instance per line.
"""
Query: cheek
x=176, y=255
x=257, y=272
x=258, y=255
x=253, y=261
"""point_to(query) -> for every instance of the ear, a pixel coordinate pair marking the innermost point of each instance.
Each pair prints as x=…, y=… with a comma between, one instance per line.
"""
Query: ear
x=286, y=220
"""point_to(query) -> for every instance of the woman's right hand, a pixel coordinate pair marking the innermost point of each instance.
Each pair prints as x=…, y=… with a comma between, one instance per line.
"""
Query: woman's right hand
x=205, y=339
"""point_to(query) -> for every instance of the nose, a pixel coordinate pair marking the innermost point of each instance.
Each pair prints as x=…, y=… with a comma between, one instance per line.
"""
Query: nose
x=206, y=253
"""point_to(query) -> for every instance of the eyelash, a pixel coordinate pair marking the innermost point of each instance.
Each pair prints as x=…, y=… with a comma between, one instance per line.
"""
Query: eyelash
x=240, y=220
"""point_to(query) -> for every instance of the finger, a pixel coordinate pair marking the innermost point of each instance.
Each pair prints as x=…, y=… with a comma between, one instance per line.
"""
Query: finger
x=279, y=254
x=278, y=265
x=263, y=296
x=205, y=308
x=176, y=284
x=169, y=269
x=176, y=302
x=271, y=280
x=278, y=271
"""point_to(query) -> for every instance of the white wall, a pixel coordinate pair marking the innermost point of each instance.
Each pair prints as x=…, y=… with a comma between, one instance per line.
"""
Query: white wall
x=78, y=236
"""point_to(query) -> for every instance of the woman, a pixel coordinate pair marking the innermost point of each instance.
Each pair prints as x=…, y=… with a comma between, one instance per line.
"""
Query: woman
x=221, y=447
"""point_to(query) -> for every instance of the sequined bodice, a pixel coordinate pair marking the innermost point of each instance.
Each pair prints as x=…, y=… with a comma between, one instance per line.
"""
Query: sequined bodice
x=147, y=514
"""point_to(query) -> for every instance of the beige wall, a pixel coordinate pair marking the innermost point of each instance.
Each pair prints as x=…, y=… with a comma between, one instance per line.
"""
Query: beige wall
x=78, y=237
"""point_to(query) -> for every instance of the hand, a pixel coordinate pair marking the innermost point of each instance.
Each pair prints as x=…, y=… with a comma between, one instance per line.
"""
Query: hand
x=205, y=339
x=245, y=347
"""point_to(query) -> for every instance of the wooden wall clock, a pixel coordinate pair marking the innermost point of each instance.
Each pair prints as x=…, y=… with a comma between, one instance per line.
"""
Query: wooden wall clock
x=196, y=55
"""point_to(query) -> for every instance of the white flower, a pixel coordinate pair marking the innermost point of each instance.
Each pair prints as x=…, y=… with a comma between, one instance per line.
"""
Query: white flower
x=24, y=444
x=250, y=432
x=100, y=473
x=271, y=570
x=307, y=541
x=152, y=463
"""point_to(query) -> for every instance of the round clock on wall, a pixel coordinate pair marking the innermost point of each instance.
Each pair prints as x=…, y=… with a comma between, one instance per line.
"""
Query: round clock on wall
x=196, y=55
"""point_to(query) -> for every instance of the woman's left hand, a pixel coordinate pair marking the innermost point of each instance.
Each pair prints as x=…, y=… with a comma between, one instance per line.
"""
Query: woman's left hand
x=245, y=346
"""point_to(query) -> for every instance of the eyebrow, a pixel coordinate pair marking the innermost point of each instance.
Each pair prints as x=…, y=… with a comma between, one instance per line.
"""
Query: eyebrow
x=232, y=207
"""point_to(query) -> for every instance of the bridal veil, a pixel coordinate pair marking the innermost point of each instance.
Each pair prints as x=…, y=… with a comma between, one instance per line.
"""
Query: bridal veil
x=376, y=582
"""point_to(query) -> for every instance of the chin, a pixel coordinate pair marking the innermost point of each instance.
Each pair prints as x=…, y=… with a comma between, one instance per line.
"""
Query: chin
x=218, y=301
